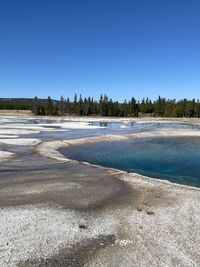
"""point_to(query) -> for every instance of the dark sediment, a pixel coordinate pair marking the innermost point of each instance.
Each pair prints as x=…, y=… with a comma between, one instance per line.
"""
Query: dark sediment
x=77, y=256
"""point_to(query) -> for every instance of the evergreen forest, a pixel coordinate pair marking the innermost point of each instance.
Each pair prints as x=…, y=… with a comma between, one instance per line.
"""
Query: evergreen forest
x=105, y=106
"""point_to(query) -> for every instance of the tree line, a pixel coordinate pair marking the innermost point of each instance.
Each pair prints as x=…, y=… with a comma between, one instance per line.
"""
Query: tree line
x=105, y=106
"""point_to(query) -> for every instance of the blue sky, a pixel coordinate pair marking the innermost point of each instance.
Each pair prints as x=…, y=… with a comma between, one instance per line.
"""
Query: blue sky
x=142, y=48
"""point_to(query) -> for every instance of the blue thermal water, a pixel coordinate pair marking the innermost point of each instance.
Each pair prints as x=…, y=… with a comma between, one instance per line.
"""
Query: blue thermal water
x=176, y=159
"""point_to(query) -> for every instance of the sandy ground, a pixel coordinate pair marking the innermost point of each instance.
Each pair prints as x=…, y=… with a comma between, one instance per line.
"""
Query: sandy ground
x=58, y=212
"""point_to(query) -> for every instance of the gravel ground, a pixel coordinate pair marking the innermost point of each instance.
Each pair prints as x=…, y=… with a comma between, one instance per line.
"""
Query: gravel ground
x=163, y=231
x=31, y=232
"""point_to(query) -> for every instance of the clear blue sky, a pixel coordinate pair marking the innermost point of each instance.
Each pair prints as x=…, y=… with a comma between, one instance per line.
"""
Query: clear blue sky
x=122, y=48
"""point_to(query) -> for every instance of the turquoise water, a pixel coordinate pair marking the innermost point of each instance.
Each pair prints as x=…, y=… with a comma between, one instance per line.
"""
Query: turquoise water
x=176, y=159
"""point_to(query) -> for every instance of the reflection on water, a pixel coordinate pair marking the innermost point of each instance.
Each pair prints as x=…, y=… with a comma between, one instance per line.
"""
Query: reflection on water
x=103, y=124
x=110, y=128
x=51, y=129
x=173, y=158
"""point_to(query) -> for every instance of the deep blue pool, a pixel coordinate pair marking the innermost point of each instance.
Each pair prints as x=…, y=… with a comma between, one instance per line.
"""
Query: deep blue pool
x=176, y=159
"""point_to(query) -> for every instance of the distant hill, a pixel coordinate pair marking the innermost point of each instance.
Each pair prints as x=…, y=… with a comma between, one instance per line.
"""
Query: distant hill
x=23, y=101
x=23, y=104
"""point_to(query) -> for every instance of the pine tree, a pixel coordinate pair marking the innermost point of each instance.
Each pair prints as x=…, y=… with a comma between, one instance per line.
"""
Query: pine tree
x=75, y=106
x=68, y=106
x=80, y=106
x=133, y=108
x=100, y=104
x=62, y=106
x=35, y=108
x=49, y=106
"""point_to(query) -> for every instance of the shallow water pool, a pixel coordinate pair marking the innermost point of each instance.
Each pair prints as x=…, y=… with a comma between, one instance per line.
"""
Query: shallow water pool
x=176, y=159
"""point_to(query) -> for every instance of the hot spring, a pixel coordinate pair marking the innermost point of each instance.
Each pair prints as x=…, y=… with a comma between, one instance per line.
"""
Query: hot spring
x=176, y=159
